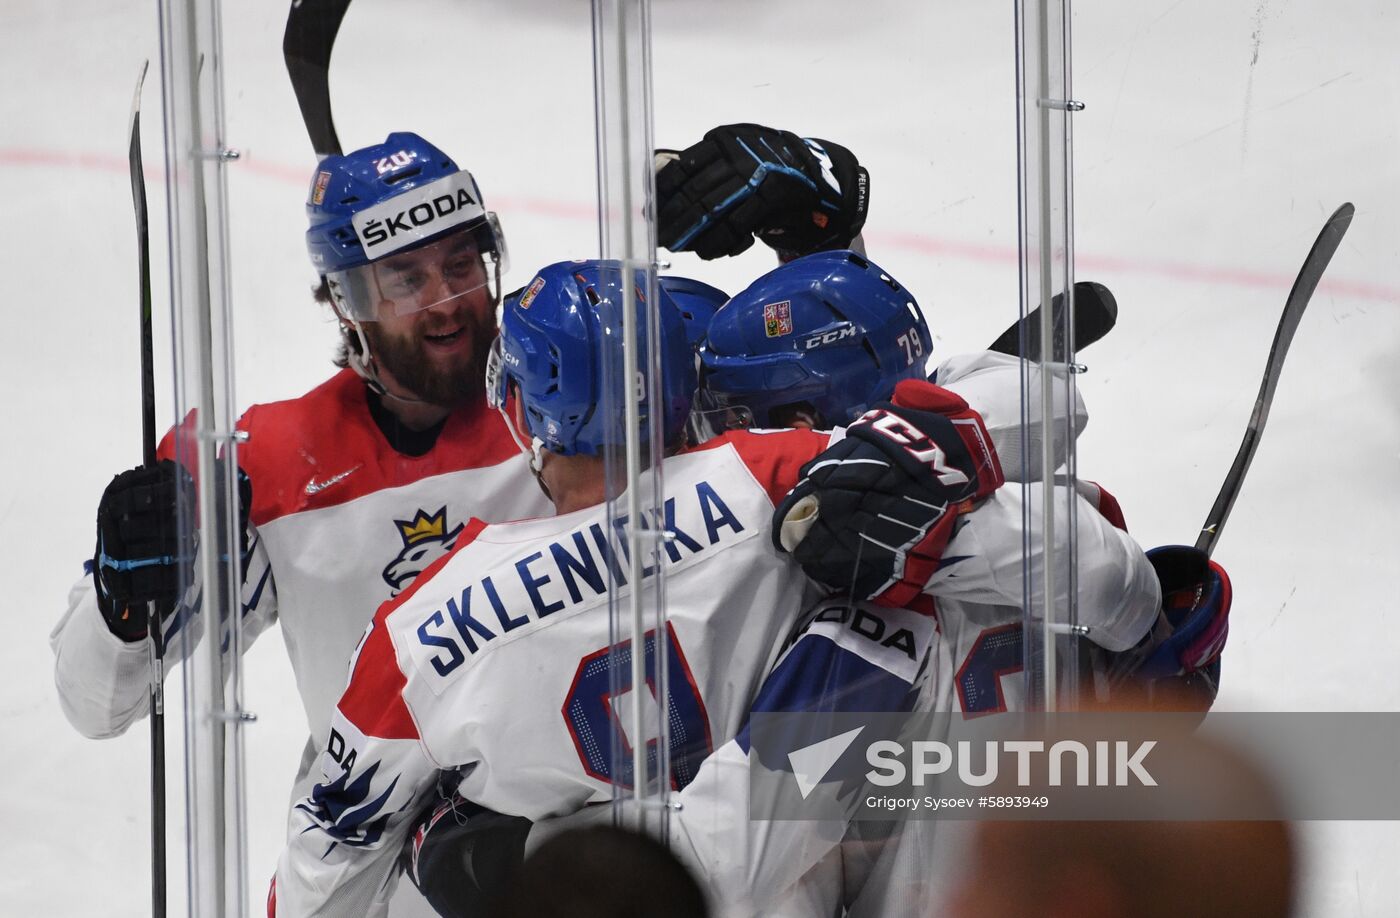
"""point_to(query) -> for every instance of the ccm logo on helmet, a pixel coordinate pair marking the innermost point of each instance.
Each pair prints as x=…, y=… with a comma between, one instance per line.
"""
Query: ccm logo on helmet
x=376, y=232
x=830, y=337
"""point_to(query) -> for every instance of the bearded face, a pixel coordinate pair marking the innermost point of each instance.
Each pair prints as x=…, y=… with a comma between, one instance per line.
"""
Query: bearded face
x=438, y=355
x=428, y=317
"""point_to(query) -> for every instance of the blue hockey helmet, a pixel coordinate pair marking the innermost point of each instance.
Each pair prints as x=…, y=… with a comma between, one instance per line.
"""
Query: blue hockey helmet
x=831, y=330
x=550, y=355
x=697, y=302
x=391, y=198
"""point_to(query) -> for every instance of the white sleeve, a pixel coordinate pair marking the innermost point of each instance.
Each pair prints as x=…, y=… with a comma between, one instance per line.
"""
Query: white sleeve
x=1117, y=595
x=991, y=383
x=104, y=682
x=344, y=837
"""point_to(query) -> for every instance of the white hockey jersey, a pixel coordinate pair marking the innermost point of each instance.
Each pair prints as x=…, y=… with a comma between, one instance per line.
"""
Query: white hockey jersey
x=446, y=678
x=976, y=665
x=496, y=662
x=340, y=522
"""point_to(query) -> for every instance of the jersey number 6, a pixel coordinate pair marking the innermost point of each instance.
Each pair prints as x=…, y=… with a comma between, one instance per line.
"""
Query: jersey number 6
x=590, y=714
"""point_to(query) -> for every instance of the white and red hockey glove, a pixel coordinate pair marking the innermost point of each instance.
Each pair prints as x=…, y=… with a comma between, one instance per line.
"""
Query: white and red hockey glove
x=871, y=515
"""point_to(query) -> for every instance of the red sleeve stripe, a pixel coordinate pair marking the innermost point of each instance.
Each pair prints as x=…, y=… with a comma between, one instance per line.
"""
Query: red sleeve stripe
x=373, y=701
x=1108, y=507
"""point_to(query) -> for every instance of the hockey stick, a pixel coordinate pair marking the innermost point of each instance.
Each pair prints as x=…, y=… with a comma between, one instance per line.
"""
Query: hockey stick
x=306, y=46
x=148, y=451
x=1095, y=314
x=1319, y=256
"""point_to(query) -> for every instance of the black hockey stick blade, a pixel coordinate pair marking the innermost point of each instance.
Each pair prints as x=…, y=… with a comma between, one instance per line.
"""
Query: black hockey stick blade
x=306, y=46
x=143, y=255
x=1319, y=256
x=1095, y=314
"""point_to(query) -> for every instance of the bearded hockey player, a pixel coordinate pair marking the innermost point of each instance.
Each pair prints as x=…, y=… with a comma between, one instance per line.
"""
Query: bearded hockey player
x=496, y=664
x=356, y=486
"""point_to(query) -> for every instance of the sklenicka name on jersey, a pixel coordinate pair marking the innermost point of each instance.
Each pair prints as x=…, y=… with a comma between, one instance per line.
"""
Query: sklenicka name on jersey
x=568, y=575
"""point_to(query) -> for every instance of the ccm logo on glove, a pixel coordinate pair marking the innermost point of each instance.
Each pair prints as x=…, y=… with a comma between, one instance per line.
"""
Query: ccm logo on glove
x=871, y=515
x=915, y=442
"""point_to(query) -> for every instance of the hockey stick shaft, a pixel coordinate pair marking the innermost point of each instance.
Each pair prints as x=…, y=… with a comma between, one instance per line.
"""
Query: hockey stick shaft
x=148, y=450
x=1319, y=256
x=306, y=47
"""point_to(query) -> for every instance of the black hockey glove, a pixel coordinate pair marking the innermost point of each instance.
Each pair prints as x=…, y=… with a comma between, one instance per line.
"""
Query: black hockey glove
x=140, y=555
x=464, y=859
x=870, y=516
x=744, y=180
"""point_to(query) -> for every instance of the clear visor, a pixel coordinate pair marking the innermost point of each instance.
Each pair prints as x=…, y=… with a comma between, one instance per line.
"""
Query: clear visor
x=711, y=417
x=459, y=264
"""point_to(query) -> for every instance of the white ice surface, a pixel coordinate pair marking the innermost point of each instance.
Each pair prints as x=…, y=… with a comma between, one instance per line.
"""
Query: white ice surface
x=1216, y=139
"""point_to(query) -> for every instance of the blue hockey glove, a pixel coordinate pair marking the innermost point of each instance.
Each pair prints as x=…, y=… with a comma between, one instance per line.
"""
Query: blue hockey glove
x=799, y=195
x=1178, y=663
x=870, y=516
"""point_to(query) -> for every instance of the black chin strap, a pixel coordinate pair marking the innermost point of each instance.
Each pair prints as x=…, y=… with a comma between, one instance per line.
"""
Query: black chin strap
x=403, y=439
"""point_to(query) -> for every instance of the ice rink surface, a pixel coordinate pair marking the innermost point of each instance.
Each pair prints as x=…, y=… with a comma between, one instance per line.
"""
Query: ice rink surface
x=1216, y=139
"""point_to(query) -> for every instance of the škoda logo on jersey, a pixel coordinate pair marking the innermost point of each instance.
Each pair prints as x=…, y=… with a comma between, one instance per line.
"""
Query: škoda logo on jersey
x=425, y=539
x=417, y=214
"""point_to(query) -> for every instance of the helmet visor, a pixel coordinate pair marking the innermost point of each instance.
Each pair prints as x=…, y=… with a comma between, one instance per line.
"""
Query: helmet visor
x=713, y=415
x=458, y=264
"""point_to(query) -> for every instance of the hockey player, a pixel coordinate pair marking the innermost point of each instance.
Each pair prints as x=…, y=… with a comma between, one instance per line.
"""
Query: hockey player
x=850, y=330
x=496, y=663
x=813, y=344
x=818, y=340
x=822, y=374
x=356, y=486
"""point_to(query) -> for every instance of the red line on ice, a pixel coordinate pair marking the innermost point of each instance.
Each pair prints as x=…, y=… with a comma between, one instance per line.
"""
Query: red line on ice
x=914, y=242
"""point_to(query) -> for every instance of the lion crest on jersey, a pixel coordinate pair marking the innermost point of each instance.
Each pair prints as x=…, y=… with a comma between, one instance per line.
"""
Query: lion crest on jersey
x=425, y=539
